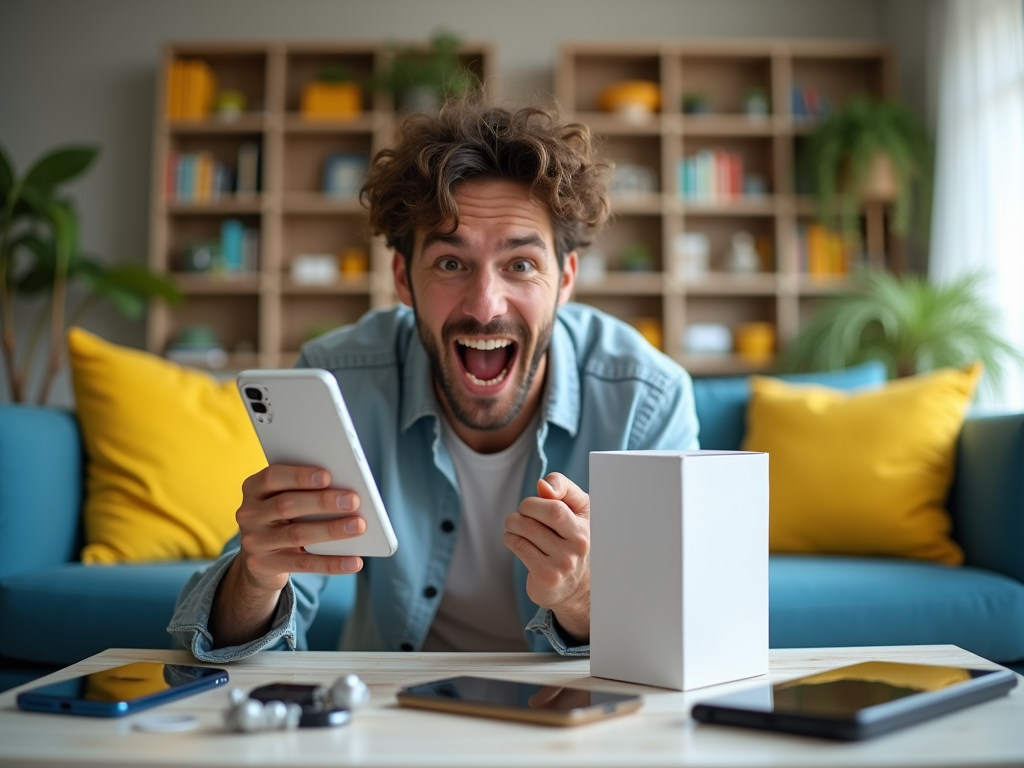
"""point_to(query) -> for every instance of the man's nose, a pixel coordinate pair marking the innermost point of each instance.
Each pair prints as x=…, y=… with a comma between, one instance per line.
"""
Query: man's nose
x=485, y=296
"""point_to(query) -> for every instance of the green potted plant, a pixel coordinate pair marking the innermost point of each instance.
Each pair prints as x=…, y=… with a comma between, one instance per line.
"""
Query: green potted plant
x=870, y=150
x=908, y=323
x=40, y=256
x=420, y=78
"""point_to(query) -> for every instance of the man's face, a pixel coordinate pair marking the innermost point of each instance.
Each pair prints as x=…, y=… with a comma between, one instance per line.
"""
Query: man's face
x=485, y=298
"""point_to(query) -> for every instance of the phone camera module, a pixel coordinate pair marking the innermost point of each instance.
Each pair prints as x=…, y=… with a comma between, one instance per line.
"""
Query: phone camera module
x=259, y=407
x=253, y=394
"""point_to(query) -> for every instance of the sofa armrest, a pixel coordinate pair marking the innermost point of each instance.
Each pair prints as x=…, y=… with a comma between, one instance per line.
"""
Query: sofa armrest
x=987, y=497
x=41, y=465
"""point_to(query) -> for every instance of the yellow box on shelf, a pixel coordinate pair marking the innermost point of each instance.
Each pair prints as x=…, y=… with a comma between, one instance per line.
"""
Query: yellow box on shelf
x=331, y=101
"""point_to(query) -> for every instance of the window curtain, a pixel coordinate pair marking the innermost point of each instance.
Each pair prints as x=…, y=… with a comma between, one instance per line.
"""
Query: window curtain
x=978, y=214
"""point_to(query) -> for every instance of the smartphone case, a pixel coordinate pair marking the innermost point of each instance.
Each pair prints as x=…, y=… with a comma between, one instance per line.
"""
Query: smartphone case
x=307, y=423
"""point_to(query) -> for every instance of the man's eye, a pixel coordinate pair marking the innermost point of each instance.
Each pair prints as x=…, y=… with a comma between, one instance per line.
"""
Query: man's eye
x=522, y=266
x=449, y=265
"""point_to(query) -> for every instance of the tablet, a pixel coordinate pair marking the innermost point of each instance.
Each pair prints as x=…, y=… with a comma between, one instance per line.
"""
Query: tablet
x=858, y=701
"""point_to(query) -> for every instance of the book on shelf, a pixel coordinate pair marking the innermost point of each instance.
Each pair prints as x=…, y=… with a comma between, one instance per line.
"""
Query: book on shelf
x=807, y=102
x=710, y=175
x=822, y=252
x=239, y=247
x=191, y=88
x=248, y=179
x=197, y=177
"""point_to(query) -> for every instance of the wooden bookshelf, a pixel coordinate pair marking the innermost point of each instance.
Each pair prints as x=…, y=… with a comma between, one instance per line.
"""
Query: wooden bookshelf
x=769, y=146
x=262, y=316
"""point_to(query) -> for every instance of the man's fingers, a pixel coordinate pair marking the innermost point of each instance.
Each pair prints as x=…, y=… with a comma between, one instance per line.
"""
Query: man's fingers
x=290, y=505
x=558, y=487
x=303, y=562
x=284, y=477
x=556, y=515
x=303, y=532
x=540, y=535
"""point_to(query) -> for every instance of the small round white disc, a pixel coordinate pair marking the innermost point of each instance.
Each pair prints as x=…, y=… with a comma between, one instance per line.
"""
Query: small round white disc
x=168, y=722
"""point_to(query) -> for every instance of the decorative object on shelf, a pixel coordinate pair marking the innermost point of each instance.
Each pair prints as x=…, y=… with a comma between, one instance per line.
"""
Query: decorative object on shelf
x=230, y=104
x=334, y=95
x=710, y=176
x=40, y=257
x=650, y=329
x=239, y=248
x=202, y=256
x=593, y=267
x=755, y=341
x=633, y=99
x=908, y=323
x=636, y=258
x=756, y=103
x=344, y=173
x=742, y=257
x=315, y=269
x=693, y=255
x=696, y=103
x=869, y=151
x=191, y=90
x=632, y=180
x=420, y=78
x=754, y=185
x=822, y=252
x=354, y=262
x=707, y=339
x=197, y=345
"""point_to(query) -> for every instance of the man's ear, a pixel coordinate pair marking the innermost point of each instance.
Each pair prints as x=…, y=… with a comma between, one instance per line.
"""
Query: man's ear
x=401, y=273
x=570, y=267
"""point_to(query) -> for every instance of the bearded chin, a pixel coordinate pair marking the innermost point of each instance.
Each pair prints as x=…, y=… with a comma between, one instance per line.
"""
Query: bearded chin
x=484, y=414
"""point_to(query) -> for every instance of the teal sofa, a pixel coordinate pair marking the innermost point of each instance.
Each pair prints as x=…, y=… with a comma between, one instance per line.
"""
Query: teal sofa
x=55, y=611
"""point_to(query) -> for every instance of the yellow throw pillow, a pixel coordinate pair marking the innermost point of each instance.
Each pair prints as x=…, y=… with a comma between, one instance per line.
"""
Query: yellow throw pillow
x=863, y=473
x=168, y=450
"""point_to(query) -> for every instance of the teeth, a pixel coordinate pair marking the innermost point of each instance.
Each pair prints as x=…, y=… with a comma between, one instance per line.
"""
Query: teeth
x=485, y=343
x=496, y=380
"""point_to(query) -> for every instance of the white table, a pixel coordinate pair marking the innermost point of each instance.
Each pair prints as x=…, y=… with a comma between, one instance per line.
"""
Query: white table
x=661, y=734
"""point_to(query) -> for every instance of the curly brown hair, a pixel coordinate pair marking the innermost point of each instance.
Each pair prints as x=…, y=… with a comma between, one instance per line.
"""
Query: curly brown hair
x=411, y=185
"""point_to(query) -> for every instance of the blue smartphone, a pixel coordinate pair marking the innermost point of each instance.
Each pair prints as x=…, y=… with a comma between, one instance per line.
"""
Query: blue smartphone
x=121, y=690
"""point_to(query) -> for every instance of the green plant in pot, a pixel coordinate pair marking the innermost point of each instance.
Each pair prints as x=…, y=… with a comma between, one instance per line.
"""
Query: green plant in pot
x=421, y=78
x=908, y=323
x=870, y=150
x=40, y=257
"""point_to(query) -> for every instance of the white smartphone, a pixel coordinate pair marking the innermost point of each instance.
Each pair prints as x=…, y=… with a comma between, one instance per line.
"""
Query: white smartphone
x=301, y=419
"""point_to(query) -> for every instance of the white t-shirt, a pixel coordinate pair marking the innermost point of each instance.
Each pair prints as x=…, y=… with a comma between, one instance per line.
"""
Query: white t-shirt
x=478, y=610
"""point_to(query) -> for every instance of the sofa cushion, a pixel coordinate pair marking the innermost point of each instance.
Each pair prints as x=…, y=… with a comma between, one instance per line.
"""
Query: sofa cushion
x=38, y=516
x=722, y=402
x=863, y=473
x=68, y=612
x=840, y=601
x=168, y=450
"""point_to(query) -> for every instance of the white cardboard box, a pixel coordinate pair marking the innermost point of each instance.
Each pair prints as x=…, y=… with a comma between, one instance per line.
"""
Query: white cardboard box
x=678, y=567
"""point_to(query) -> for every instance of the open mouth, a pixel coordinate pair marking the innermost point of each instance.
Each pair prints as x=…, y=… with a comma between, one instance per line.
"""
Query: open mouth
x=486, y=362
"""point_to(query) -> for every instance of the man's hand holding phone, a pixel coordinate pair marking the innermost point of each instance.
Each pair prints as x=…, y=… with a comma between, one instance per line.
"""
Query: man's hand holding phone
x=273, y=533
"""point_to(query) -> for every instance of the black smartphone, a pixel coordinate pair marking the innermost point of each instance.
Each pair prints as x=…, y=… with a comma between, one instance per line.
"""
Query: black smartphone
x=858, y=701
x=121, y=690
x=545, y=704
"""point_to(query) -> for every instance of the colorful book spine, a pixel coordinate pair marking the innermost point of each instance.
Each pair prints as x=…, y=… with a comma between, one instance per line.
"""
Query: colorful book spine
x=710, y=176
x=191, y=88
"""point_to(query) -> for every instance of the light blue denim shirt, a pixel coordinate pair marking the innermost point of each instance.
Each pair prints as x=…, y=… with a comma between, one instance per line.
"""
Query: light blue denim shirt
x=607, y=389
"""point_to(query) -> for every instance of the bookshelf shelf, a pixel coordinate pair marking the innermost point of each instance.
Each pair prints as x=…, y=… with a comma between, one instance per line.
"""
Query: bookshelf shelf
x=719, y=173
x=260, y=318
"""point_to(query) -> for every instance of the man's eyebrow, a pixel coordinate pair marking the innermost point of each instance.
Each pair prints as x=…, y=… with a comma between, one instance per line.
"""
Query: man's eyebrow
x=515, y=243
x=456, y=241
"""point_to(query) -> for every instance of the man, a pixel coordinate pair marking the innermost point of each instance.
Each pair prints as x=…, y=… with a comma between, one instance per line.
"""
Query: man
x=484, y=398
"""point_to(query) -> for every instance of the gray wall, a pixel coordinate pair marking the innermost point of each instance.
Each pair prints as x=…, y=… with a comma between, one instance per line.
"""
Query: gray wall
x=84, y=70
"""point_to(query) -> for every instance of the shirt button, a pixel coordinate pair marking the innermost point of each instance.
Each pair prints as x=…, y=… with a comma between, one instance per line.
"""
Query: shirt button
x=447, y=526
x=406, y=646
x=430, y=592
